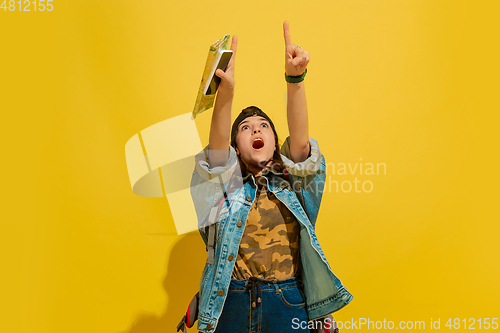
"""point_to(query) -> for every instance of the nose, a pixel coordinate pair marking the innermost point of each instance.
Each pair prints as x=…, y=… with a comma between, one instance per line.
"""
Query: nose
x=256, y=130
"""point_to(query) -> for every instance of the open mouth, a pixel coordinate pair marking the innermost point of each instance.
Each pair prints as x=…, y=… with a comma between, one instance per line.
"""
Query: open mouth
x=257, y=143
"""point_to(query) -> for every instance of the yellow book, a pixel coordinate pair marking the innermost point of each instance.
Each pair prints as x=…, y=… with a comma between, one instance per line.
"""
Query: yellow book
x=205, y=102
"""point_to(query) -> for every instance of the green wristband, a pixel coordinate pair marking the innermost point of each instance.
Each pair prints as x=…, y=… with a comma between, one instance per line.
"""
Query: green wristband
x=295, y=79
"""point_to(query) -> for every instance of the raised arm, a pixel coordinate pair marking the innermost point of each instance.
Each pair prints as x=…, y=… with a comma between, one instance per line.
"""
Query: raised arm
x=296, y=60
x=221, y=118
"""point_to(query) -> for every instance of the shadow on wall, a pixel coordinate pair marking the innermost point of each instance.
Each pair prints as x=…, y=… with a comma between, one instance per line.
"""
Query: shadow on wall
x=185, y=266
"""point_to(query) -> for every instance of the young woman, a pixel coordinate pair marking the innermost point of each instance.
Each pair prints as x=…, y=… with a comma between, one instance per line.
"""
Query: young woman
x=268, y=272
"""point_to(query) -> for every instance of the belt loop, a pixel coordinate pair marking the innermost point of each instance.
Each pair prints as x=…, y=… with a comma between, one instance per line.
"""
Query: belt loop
x=277, y=288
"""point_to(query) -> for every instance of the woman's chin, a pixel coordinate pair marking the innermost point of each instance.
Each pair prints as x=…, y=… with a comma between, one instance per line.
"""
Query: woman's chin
x=258, y=159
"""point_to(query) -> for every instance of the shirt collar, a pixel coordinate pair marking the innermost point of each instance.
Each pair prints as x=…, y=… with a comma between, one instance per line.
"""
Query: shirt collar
x=266, y=172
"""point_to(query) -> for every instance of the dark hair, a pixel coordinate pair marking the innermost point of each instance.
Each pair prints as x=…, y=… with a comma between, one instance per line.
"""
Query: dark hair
x=277, y=164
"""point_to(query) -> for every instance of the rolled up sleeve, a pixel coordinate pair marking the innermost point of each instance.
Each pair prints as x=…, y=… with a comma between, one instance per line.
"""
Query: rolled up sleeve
x=208, y=184
x=212, y=174
x=310, y=166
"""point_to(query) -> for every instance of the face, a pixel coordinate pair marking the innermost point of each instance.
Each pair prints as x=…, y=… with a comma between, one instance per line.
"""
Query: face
x=255, y=142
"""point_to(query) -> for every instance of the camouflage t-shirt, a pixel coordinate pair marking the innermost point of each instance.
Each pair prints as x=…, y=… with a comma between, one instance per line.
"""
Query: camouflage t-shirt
x=269, y=248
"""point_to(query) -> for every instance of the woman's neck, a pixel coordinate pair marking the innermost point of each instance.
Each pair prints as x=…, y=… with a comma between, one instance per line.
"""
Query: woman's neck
x=257, y=170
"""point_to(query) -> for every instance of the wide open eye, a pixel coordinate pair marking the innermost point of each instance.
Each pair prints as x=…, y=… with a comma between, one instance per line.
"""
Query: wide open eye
x=265, y=125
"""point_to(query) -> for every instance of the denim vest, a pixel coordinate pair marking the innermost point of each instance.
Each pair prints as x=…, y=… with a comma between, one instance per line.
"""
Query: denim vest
x=323, y=291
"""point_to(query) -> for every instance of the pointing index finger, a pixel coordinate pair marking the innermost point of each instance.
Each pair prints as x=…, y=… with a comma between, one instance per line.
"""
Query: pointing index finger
x=286, y=30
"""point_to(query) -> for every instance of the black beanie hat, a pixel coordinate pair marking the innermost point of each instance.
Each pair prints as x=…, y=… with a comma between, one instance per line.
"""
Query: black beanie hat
x=249, y=112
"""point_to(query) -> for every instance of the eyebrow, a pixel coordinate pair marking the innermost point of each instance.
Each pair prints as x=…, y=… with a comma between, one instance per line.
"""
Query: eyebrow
x=261, y=119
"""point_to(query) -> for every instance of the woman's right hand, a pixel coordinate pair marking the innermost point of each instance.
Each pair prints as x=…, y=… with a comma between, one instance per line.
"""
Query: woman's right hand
x=220, y=126
x=227, y=77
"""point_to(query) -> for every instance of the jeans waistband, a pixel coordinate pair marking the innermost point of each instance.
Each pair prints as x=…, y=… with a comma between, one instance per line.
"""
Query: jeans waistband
x=281, y=283
x=256, y=285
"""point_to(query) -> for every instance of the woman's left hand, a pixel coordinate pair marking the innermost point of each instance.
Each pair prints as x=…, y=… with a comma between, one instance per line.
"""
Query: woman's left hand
x=296, y=58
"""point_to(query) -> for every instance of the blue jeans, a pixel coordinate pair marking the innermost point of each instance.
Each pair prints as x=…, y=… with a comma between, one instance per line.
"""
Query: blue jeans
x=263, y=306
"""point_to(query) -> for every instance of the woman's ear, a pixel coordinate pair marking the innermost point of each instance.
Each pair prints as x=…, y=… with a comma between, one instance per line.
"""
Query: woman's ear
x=237, y=151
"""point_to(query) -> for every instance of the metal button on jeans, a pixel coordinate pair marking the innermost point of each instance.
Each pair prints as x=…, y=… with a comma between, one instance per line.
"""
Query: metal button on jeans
x=239, y=224
x=220, y=292
x=249, y=198
x=230, y=258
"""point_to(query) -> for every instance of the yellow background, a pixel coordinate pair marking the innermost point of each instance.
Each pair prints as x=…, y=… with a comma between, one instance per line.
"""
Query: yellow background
x=412, y=84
